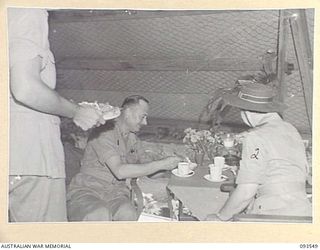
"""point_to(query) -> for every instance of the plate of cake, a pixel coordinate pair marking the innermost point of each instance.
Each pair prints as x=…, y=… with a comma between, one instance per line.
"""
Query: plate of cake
x=108, y=111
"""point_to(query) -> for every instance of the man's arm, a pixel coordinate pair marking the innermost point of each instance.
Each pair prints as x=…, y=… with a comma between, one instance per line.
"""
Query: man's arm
x=123, y=171
x=238, y=201
x=28, y=88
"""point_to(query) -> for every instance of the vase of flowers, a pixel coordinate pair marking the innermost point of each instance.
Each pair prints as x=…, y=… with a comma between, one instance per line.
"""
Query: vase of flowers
x=200, y=141
x=198, y=158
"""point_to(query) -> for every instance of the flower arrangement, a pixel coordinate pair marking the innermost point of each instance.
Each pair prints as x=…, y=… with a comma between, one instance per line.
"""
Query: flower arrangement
x=211, y=143
x=199, y=141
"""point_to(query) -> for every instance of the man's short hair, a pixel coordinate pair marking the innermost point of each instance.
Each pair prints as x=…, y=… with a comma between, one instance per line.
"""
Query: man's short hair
x=132, y=100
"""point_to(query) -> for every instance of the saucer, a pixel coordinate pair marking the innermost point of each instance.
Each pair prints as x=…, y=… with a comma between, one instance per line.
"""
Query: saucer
x=175, y=172
x=223, y=178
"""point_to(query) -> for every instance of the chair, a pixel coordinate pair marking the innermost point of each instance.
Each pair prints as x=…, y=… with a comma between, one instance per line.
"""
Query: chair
x=271, y=218
x=229, y=187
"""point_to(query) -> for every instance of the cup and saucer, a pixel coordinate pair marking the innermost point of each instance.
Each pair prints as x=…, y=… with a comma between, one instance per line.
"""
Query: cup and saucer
x=177, y=173
x=183, y=170
x=221, y=179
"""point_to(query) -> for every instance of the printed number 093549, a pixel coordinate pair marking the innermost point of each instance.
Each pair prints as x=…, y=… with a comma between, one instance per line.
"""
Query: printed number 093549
x=308, y=245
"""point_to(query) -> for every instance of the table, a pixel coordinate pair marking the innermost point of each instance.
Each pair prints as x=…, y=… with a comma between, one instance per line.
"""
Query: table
x=200, y=196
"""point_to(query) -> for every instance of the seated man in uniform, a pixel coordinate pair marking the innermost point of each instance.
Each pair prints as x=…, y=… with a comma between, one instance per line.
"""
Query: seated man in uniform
x=273, y=169
x=99, y=192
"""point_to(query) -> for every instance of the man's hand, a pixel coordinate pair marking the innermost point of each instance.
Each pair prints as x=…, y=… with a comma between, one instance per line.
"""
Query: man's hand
x=88, y=117
x=171, y=162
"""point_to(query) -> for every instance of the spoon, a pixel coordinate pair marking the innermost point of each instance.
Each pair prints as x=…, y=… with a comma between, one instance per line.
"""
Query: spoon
x=188, y=160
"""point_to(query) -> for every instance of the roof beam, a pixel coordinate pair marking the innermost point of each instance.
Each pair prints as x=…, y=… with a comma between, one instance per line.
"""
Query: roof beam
x=147, y=64
x=65, y=16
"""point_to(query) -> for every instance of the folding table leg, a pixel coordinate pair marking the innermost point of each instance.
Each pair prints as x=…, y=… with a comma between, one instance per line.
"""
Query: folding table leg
x=180, y=210
x=170, y=199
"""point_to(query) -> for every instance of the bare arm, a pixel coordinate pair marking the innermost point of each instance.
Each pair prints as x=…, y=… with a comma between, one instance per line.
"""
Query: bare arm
x=238, y=201
x=27, y=88
x=123, y=171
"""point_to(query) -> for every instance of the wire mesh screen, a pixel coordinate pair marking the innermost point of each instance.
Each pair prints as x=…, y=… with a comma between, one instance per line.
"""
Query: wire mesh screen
x=221, y=35
x=173, y=94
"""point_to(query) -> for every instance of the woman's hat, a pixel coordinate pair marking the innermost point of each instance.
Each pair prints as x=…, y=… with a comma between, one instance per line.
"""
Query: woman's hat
x=254, y=97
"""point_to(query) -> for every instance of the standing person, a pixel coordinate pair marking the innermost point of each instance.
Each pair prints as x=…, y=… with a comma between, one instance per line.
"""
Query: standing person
x=99, y=192
x=37, y=174
x=273, y=169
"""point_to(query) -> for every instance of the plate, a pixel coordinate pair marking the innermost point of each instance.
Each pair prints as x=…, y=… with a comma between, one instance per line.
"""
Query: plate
x=233, y=169
x=108, y=111
x=223, y=178
x=175, y=172
x=111, y=115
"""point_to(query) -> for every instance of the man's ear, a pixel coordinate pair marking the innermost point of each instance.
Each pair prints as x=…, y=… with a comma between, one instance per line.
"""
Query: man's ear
x=127, y=112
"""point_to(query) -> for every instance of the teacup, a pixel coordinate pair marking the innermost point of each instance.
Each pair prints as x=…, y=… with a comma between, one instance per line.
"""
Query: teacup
x=219, y=161
x=215, y=172
x=183, y=168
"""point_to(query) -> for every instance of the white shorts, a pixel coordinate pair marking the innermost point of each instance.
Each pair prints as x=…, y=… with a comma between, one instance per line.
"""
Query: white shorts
x=37, y=199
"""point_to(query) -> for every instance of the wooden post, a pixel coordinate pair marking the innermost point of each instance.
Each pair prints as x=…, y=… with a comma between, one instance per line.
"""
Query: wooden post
x=303, y=53
x=282, y=55
x=304, y=27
